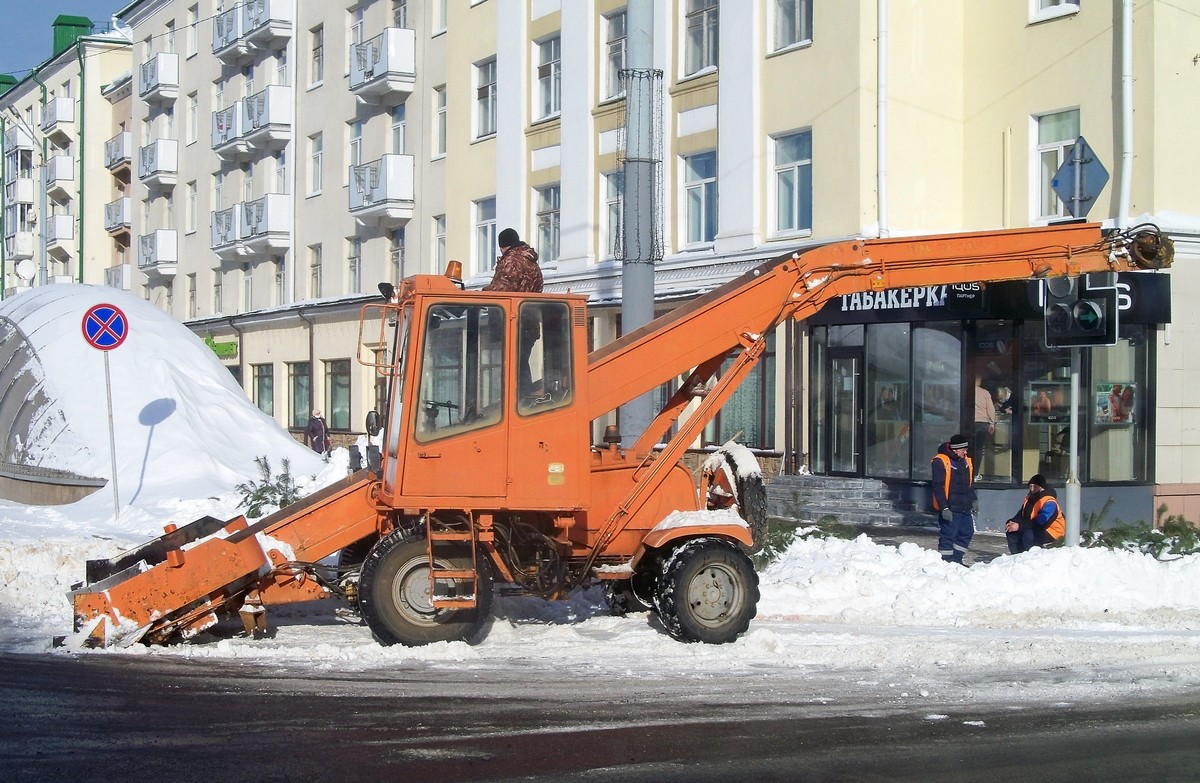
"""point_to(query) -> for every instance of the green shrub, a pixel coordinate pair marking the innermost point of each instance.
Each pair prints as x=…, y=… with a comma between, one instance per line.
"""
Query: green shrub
x=1173, y=537
x=268, y=491
x=783, y=533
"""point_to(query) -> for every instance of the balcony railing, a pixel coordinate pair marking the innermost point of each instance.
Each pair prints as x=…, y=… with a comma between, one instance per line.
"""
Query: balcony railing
x=267, y=223
x=60, y=230
x=382, y=191
x=118, y=150
x=227, y=131
x=17, y=137
x=119, y=276
x=267, y=118
x=118, y=215
x=226, y=232
x=57, y=115
x=60, y=175
x=159, y=81
x=18, y=244
x=158, y=251
x=228, y=43
x=383, y=69
x=158, y=163
x=19, y=191
x=267, y=23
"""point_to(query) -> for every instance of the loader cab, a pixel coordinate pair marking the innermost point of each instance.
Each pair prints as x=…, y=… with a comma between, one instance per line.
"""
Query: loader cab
x=487, y=407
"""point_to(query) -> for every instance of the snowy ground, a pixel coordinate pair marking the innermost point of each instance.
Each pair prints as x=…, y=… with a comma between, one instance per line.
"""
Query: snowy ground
x=1065, y=623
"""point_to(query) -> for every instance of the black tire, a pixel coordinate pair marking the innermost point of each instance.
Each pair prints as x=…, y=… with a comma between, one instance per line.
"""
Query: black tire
x=393, y=593
x=753, y=493
x=628, y=596
x=708, y=592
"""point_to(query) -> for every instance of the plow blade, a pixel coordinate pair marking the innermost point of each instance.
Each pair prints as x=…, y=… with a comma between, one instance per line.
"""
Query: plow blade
x=177, y=582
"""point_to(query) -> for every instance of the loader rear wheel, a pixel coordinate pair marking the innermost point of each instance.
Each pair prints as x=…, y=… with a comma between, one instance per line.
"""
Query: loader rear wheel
x=394, y=595
x=708, y=592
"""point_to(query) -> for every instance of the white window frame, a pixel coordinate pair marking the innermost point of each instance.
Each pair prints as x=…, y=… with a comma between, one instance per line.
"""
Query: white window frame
x=193, y=118
x=438, y=19
x=439, y=242
x=548, y=209
x=485, y=234
x=315, y=254
x=485, y=98
x=280, y=282
x=281, y=171
x=353, y=265
x=193, y=30
x=701, y=29
x=612, y=217
x=396, y=254
x=1044, y=10
x=399, y=126
x=698, y=191
x=615, y=31
x=191, y=207
x=248, y=290
x=400, y=13
x=1047, y=157
x=354, y=146
x=790, y=171
x=316, y=157
x=791, y=24
x=316, y=56
x=439, y=122
x=549, y=77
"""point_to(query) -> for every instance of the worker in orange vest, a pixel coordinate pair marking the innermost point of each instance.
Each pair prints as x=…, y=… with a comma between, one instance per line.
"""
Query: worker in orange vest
x=1040, y=520
x=954, y=498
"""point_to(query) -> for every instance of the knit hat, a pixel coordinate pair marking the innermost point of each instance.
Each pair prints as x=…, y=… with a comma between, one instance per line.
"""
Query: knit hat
x=1039, y=479
x=509, y=238
x=959, y=442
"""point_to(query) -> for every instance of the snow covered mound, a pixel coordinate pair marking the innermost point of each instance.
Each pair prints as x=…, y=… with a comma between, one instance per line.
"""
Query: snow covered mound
x=182, y=427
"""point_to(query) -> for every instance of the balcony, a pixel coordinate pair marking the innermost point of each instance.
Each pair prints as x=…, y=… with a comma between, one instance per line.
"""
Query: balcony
x=383, y=69
x=227, y=233
x=17, y=137
x=119, y=276
x=160, y=78
x=118, y=152
x=266, y=224
x=58, y=117
x=267, y=24
x=158, y=252
x=18, y=245
x=60, y=177
x=60, y=231
x=229, y=46
x=227, y=139
x=267, y=118
x=158, y=164
x=19, y=190
x=382, y=192
x=117, y=215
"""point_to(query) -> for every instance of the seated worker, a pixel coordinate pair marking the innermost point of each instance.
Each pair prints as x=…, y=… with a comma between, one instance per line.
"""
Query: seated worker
x=1040, y=520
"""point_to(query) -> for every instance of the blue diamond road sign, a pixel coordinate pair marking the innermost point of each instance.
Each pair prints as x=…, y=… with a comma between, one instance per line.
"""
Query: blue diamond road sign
x=1080, y=179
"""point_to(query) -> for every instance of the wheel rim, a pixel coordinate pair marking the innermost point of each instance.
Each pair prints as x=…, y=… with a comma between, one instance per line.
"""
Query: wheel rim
x=411, y=594
x=713, y=594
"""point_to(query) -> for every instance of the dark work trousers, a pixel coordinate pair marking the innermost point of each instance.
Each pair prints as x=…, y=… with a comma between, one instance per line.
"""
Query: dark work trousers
x=1024, y=540
x=954, y=537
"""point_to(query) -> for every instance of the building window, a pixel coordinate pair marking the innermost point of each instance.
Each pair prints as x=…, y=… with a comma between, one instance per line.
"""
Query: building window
x=793, y=22
x=439, y=17
x=314, y=269
x=354, y=156
x=1040, y=10
x=381, y=380
x=700, y=46
x=193, y=118
x=485, y=234
x=614, y=54
x=316, y=146
x=750, y=412
x=337, y=393
x=549, y=76
x=353, y=265
x=193, y=30
x=439, y=121
x=356, y=28
x=397, y=255
x=218, y=293
x=399, y=18
x=191, y=296
x=263, y=376
x=280, y=282
x=281, y=172
x=248, y=291
x=169, y=35
x=398, y=121
x=300, y=402
x=548, y=203
x=281, y=68
x=793, y=183
x=485, y=98
x=316, y=71
x=439, y=243
x=1056, y=135
x=191, y=207
x=700, y=197
x=614, y=205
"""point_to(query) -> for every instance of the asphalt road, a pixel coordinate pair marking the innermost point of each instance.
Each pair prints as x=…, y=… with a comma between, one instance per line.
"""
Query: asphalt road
x=115, y=718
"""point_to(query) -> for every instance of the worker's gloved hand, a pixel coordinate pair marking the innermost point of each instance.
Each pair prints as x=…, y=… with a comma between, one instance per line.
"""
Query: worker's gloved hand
x=947, y=515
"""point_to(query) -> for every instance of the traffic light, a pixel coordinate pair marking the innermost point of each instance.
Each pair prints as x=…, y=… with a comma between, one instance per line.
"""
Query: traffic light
x=1078, y=316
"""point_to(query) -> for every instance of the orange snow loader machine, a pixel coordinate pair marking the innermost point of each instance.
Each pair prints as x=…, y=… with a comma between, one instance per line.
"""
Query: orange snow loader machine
x=488, y=478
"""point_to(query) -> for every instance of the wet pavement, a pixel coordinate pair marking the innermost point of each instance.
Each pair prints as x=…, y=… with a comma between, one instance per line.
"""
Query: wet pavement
x=984, y=546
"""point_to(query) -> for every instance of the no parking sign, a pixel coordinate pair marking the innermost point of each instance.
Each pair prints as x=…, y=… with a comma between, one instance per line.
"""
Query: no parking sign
x=105, y=327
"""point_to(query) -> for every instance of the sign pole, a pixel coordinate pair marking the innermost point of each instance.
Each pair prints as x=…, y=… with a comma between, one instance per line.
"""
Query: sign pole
x=1074, y=489
x=112, y=442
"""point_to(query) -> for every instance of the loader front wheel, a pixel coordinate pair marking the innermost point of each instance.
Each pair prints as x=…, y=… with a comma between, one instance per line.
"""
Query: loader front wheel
x=628, y=596
x=708, y=592
x=394, y=593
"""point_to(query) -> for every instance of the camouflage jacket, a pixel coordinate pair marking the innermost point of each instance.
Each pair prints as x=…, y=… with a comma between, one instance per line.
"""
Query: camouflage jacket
x=517, y=270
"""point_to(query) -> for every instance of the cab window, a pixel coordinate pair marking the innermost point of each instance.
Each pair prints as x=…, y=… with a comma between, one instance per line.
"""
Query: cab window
x=544, y=371
x=462, y=370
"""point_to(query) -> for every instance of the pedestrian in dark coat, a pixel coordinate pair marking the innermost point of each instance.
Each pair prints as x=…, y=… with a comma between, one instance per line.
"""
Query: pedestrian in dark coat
x=517, y=269
x=1039, y=522
x=317, y=433
x=954, y=498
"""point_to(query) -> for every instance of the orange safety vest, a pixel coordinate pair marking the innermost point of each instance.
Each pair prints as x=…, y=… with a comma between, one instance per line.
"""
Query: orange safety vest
x=945, y=458
x=1058, y=526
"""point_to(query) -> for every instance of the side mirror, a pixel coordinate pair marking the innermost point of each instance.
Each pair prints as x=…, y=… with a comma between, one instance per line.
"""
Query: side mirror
x=374, y=423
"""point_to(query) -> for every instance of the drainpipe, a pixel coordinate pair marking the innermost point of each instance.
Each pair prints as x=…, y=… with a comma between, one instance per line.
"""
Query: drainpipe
x=289, y=265
x=79, y=211
x=312, y=362
x=43, y=218
x=881, y=109
x=3, y=211
x=1123, y=204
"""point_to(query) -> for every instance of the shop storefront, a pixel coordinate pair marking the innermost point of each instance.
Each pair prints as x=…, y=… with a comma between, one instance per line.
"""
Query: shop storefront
x=895, y=373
